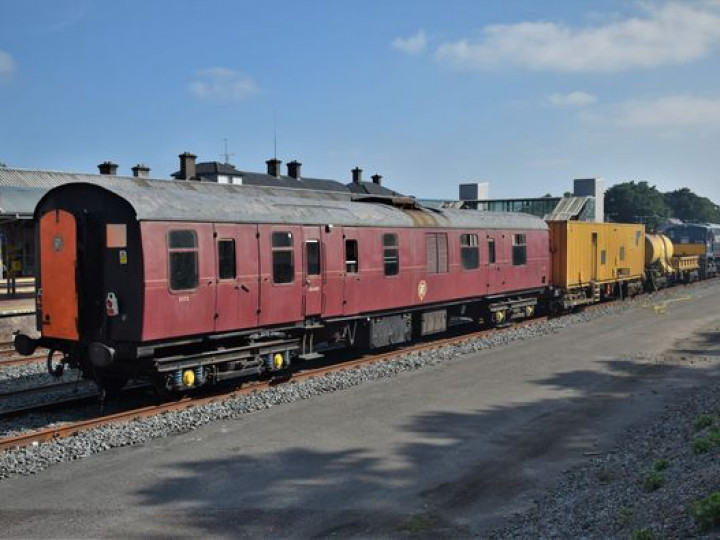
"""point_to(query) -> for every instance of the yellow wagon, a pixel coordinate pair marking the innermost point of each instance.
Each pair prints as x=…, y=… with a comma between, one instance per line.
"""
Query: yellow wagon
x=592, y=261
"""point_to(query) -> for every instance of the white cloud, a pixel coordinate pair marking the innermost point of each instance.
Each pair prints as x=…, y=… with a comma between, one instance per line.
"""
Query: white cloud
x=673, y=33
x=668, y=112
x=7, y=66
x=411, y=45
x=222, y=84
x=572, y=99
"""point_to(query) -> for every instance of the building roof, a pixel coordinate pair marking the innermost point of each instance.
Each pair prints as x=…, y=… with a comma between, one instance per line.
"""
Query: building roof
x=19, y=202
x=209, y=171
x=371, y=188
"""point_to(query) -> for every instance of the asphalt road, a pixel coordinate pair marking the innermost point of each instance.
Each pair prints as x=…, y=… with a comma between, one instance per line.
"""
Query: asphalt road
x=447, y=450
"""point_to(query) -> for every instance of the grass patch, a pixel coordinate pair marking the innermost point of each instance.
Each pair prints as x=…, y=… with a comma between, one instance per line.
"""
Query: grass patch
x=642, y=534
x=706, y=512
x=653, y=480
x=625, y=516
x=661, y=465
x=714, y=436
x=701, y=445
x=703, y=421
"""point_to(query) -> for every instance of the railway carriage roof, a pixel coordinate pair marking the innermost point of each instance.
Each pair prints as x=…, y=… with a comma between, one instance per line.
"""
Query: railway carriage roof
x=160, y=203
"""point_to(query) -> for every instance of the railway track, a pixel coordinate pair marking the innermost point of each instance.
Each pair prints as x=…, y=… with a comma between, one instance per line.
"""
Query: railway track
x=40, y=392
x=73, y=428
x=10, y=357
x=70, y=402
x=69, y=429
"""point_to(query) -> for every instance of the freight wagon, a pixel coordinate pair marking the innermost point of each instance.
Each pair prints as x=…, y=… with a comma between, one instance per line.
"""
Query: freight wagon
x=595, y=261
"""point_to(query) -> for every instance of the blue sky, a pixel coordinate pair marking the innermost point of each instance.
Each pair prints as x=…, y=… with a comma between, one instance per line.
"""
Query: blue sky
x=524, y=94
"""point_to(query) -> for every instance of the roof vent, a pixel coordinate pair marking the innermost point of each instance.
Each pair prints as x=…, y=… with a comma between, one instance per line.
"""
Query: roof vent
x=357, y=175
x=187, y=166
x=377, y=179
x=108, y=167
x=141, y=170
x=273, y=167
x=293, y=169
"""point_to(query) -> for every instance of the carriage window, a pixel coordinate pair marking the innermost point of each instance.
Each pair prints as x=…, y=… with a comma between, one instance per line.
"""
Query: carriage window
x=622, y=253
x=391, y=256
x=282, y=256
x=351, y=256
x=491, y=251
x=116, y=235
x=436, y=261
x=469, y=251
x=226, y=259
x=183, y=256
x=312, y=252
x=603, y=256
x=519, y=250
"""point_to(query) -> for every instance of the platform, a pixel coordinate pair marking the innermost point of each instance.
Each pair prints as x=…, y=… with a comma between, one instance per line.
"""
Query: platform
x=20, y=303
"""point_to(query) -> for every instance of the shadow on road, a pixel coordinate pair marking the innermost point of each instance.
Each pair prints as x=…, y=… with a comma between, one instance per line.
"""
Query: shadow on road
x=460, y=471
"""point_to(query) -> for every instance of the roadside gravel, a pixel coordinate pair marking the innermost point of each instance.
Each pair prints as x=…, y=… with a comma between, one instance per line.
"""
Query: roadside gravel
x=623, y=494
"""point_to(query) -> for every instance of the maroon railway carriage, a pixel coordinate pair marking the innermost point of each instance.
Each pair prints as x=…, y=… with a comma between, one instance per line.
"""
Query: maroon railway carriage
x=187, y=287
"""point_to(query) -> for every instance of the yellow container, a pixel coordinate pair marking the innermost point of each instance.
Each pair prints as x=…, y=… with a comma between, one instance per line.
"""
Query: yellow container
x=585, y=253
x=689, y=250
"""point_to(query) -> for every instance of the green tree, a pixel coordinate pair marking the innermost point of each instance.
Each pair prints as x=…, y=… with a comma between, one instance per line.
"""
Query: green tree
x=2, y=165
x=639, y=202
x=686, y=205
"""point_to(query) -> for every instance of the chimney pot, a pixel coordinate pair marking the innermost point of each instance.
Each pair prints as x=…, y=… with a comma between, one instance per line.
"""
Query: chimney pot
x=187, y=166
x=377, y=179
x=141, y=170
x=108, y=167
x=293, y=169
x=273, y=167
x=357, y=175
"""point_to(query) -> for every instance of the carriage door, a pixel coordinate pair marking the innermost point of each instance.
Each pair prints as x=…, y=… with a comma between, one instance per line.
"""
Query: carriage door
x=312, y=271
x=351, y=285
x=236, y=266
x=494, y=275
x=594, y=256
x=58, y=261
x=227, y=290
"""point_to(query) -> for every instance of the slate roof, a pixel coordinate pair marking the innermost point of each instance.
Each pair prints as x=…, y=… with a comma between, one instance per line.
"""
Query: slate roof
x=206, y=171
x=371, y=188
